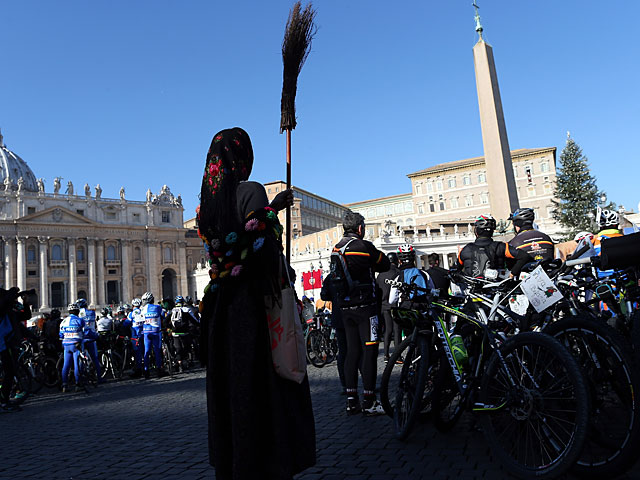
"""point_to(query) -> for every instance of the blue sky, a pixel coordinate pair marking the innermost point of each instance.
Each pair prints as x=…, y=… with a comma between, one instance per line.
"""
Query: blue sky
x=130, y=93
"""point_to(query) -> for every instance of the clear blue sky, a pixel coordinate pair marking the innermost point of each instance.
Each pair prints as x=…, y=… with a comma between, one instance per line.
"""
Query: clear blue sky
x=131, y=92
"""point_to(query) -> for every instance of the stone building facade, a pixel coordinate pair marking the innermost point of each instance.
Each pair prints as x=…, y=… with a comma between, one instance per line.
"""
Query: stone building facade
x=68, y=246
x=458, y=191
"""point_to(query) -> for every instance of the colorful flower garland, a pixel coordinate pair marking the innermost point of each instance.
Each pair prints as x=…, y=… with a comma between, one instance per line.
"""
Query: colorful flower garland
x=229, y=254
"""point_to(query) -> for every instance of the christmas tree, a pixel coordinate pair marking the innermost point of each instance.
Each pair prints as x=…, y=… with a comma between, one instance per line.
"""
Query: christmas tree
x=576, y=193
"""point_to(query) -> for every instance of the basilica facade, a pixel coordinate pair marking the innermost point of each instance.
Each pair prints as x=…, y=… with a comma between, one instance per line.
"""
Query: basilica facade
x=108, y=251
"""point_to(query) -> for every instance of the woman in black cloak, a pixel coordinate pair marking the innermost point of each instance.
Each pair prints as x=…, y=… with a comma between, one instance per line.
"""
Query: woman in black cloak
x=260, y=424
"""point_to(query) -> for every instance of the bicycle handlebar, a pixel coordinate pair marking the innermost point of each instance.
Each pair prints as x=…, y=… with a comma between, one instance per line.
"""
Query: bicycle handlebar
x=579, y=261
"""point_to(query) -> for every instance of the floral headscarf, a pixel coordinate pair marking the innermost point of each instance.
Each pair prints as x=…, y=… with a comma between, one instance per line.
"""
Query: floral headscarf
x=230, y=243
x=229, y=162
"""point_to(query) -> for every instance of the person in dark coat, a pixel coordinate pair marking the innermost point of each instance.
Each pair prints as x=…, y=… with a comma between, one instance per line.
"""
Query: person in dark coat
x=260, y=424
x=385, y=307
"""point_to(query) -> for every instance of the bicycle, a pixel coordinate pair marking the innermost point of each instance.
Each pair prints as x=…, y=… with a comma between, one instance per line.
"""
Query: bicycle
x=527, y=390
x=111, y=362
x=88, y=374
x=320, y=340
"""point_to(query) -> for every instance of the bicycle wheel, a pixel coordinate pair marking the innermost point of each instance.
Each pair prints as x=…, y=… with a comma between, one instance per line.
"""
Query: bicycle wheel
x=88, y=372
x=105, y=364
x=167, y=358
x=446, y=402
x=316, y=352
x=47, y=371
x=613, y=437
x=71, y=379
x=409, y=394
x=536, y=407
x=116, y=362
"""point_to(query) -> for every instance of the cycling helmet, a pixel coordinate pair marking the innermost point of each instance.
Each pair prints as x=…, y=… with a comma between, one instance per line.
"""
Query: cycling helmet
x=179, y=300
x=121, y=309
x=136, y=302
x=406, y=253
x=522, y=217
x=73, y=307
x=189, y=300
x=81, y=303
x=582, y=235
x=126, y=308
x=609, y=218
x=485, y=224
x=105, y=312
x=55, y=313
x=147, y=298
x=393, y=257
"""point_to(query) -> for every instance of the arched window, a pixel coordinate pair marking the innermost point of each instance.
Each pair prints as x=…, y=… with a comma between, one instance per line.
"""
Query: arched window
x=80, y=254
x=167, y=254
x=137, y=255
x=31, y=254
x=111, y=252
x=56, y=252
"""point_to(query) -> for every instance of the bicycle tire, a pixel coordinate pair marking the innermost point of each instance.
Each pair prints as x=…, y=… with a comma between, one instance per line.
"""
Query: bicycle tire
x=387, y=402
x=603, y=354
x=49, y=372
x=314, y=348
x=71, y=379
x=88, y=371
x=116, y=365
x=105, y=364
x=167, y=358
x=413, y=377
x=446, y=402
x=548, y=407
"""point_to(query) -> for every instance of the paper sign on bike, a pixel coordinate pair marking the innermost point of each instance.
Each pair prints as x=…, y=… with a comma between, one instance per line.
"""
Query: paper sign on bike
x=540, y=290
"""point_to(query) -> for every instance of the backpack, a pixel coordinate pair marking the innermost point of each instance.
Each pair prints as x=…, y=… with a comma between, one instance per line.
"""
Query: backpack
x=483, y=257
x=349, y=292
x=177, y=319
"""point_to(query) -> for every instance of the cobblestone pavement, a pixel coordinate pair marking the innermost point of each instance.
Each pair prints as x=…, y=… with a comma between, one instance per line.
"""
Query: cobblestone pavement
x=156, y=429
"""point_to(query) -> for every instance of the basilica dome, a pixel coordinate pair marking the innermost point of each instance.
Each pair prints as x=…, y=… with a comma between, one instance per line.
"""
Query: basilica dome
x=13, y=167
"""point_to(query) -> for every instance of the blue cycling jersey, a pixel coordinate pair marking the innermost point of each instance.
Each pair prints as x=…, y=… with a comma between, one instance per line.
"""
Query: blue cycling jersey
x=135, y=320
x=152, y=318
x=89, y=317
x=72, y=330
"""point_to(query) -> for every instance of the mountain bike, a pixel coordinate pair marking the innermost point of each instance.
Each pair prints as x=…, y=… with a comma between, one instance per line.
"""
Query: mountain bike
x=88, y=374
x=111, y=362
x=527, y=390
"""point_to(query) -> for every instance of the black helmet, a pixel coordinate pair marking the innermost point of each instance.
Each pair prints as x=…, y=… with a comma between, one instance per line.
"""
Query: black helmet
x=485, y=224
x=105, y=312
x=393, y=257
x=522, y=217
x=55, y=313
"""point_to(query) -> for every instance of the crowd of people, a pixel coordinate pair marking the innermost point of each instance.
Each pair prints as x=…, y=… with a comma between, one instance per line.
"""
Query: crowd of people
x=142, y=324
x=361, y=297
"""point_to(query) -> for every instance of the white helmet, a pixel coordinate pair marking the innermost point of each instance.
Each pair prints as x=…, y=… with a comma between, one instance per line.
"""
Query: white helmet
x=147, y=298
x=406, y=253
x=136, y=302
x=581, y=235
x=609, y=218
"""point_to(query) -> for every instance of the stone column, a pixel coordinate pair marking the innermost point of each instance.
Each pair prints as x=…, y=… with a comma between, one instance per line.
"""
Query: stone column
x=22, y=263
x=152, y=268
x=91, y=260
x=8, y=262
x=100, y=272
x=44, y=271
x=73, y=270
x=445, y=261
x=182, y=262
x=126, y=276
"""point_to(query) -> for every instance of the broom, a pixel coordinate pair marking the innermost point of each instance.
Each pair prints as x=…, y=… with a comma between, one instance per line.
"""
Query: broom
x=296, y=45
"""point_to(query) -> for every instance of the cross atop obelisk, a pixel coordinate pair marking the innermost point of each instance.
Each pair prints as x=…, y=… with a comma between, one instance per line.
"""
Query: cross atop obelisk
x=503, y=195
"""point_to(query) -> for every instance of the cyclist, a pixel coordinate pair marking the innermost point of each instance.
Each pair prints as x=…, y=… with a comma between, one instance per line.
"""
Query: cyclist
x=88, y=314
x=135, y=322
x=537, y=244
x=105, y=322
x=385, y=307
x=152, y=332
x=609, y=222
x=182, y=321
x=72, y=330
x=192, y=307
x=356, y=295
x=439, y=276
x=484, y=257
x=409, y=273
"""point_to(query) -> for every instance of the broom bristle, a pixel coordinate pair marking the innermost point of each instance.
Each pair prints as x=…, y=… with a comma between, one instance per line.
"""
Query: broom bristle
x=296, y=46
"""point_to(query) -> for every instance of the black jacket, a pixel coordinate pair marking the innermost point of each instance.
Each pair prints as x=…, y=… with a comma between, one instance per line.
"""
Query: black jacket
x=537, y=244
x=472, y=257
x=385, y=288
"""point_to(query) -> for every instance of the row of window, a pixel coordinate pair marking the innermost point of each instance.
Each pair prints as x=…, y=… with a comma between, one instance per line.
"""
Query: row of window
x=387, y=210
x=314, y=203
x=438, y=184
x=57, y=254
x=317, y=222
x=113, y=215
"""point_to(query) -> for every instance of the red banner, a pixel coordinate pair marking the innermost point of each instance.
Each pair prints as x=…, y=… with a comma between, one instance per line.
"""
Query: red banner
x=312, y=280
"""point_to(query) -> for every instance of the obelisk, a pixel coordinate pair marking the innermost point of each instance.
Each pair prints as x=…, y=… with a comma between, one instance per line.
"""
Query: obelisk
x=503, y=195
